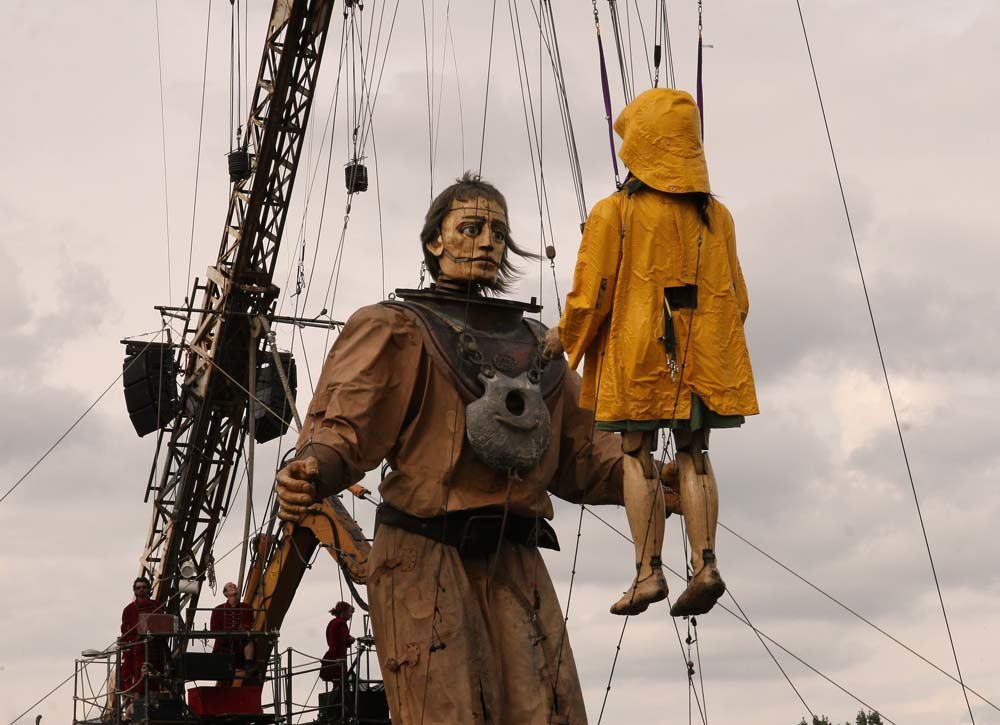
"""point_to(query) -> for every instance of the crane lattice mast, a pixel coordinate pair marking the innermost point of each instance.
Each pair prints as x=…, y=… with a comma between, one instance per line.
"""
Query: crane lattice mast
x=192, y=490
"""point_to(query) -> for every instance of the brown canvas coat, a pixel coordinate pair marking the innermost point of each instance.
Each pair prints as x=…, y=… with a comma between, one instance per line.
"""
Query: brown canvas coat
x=635, y=245
x=382, y=396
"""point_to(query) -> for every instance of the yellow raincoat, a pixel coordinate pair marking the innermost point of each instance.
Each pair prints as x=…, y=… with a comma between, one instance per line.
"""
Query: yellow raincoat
x=634, y=246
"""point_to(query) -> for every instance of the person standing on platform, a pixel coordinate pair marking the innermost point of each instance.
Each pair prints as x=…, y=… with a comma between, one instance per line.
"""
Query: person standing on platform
x=233, y=616
x=133, y=652
x=338, y=639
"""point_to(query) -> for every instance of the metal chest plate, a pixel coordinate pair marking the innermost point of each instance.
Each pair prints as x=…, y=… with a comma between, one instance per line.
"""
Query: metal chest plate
x=508, y=426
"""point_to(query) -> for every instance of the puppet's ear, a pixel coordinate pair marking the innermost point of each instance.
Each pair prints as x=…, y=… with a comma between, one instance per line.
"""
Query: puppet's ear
x=436, y=247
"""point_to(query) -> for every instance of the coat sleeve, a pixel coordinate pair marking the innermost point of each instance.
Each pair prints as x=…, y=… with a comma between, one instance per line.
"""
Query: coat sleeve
x=589, y=302
x=130, y=621
x=362, y=396
x=739, y=284
x=217, y=623
x=590, y=460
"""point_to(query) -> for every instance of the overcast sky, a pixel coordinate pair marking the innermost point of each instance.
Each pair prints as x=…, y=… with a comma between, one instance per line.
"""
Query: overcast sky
x=817, y=480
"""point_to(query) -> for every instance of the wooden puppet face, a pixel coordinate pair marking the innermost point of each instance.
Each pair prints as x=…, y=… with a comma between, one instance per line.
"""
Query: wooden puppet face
x=472, y=241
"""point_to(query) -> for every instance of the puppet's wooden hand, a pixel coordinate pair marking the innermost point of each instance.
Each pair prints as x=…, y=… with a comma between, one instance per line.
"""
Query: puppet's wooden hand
x=552, y=347
x=295, y=489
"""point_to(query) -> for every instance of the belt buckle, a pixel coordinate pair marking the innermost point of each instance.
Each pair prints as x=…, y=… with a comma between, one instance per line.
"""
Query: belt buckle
x=480, y=534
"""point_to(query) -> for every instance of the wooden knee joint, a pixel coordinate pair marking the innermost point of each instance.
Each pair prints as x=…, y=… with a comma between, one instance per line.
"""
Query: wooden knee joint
x=640, y=445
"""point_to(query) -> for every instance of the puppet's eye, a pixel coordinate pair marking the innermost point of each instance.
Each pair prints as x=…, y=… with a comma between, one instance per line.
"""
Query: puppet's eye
x=471, y=230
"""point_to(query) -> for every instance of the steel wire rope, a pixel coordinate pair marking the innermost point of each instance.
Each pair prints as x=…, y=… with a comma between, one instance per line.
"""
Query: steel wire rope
x=428, y=96
x=378, y=205
x=685, y=657
x=642, y=31
x=701, y=672
x=769, y=652
x=232, y=73
x=881, y=357
x=440, y=94
x=538, y=176
x=486, y=95
x=369, y=99
x=531, y=128
x=541, y=222
x=627, y=88
x=858, y=615
x=546, y=22
x=833, y=599
x=197, y=166
x=378, y=83
x=76, y=422
x=669, y=48
x=540, y=186
x=331, y=117
x=747, y=623
x=322, y=213
x=629, y=53
x=458, y=89
x=689, y=620
x=338, y=257
x=163, y=147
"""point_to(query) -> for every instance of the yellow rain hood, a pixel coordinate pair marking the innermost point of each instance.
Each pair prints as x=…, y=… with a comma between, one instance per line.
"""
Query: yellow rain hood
x=661, y=141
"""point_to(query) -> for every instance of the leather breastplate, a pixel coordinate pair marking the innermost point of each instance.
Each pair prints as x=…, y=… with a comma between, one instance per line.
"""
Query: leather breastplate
x=492, y=354
x=507, y=340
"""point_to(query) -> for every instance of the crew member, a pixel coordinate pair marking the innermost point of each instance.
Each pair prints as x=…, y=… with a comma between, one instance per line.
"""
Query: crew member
x=658, y=306
x=233, y=616
x=133, y=651
x=338, y=639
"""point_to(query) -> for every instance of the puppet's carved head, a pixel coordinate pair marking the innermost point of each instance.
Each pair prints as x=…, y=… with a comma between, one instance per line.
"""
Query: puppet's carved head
x=466, y=237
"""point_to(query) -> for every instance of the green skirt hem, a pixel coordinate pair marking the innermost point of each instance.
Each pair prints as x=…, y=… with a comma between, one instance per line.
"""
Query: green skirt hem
x=701, y=417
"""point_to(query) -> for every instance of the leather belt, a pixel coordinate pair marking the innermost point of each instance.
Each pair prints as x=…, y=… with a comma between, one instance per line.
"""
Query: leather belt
x=475, y=532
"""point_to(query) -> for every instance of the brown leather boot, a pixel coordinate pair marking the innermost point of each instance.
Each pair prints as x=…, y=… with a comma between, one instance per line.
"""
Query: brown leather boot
x=643, y=592
x=702, y=592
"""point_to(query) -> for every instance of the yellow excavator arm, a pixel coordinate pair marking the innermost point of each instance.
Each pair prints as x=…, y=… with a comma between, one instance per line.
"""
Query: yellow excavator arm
x=279, y=565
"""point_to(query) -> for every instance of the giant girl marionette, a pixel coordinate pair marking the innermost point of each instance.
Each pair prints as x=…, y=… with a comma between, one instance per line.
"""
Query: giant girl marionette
x=658, y=306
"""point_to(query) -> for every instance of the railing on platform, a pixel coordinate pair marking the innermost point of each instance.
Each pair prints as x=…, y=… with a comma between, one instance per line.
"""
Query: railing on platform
x=291, y=679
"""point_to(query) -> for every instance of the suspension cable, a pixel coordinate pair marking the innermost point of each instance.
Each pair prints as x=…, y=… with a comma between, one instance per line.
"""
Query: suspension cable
x=197, y=165
x=763, y=634
x=163, y=146
x=486, y=97
x=881, y=357
x=616, y=31
x=82, y=415
x=546, y=21
x=606, y=92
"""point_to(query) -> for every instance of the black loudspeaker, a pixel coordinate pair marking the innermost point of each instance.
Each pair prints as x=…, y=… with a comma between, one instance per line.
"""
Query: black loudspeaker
x=271, y=393
x=149, y=375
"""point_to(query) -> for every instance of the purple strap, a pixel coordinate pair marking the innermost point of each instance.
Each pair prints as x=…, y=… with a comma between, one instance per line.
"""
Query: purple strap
x=607, y=104
x=701, y=95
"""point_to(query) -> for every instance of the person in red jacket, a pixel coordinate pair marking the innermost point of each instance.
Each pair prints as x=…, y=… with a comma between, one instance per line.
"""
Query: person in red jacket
x=133, y=652
x=338, y=638
x=233, y=616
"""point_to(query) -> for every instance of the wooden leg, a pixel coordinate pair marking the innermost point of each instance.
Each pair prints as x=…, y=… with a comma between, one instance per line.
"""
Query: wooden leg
x=700, y=505
x=644, y=507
